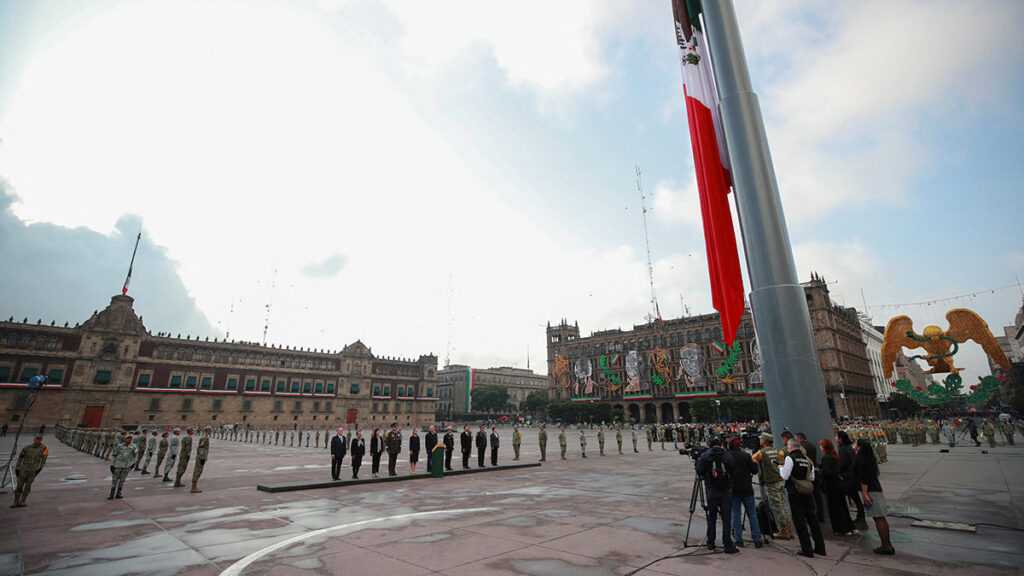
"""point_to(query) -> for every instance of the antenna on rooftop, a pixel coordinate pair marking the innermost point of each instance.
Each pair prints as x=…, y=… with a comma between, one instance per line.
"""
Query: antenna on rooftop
x=448, y=351
x=647, y=243
x=270, y=302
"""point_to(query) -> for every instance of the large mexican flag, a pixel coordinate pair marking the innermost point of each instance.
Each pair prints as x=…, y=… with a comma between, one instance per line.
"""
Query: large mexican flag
x=711, y=161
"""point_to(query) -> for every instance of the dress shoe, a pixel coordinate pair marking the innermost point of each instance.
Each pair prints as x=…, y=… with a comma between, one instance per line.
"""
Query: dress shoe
x=806, y=554
x=731, y=550
x=758, y=544
x=885, y=550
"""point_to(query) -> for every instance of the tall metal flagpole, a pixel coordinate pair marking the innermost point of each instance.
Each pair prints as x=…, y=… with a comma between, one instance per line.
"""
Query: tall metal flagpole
x=128, y=279
x=793, y=384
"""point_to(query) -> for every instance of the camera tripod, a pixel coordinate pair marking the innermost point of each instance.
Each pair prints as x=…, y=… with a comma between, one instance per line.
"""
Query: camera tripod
x=696, y=495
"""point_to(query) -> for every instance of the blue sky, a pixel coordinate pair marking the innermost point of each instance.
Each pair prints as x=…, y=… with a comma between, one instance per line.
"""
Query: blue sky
x=360, y=164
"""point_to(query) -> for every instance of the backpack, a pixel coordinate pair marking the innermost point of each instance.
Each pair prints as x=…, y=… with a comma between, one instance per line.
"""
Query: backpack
x=718, y=476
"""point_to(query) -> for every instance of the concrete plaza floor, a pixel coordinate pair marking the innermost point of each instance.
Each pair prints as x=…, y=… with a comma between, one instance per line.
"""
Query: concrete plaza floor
x=611, y=515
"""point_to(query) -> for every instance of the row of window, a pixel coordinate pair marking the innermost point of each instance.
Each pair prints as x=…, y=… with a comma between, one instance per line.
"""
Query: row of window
x=53, y=375
x=385, y=407
x=402, y=392
x=206, y=383
x=189, y=355
x=217, y=405
x=28, y=342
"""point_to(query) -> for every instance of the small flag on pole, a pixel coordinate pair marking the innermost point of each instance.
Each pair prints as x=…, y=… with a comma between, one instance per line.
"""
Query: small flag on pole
x=128, y=279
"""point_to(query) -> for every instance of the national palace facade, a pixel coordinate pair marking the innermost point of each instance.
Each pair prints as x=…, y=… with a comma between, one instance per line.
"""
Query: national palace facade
x=654, y=370
x=111, y=371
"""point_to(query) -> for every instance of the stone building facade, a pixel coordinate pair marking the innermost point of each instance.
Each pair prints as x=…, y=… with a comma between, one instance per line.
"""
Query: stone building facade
x=456, y=382
x=654, y=370
x=111, y=371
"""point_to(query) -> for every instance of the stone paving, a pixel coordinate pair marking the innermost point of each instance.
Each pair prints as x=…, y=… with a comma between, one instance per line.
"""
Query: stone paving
x=611, y=515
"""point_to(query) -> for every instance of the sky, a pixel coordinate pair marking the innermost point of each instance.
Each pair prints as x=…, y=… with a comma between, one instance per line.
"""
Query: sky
x=450, y=177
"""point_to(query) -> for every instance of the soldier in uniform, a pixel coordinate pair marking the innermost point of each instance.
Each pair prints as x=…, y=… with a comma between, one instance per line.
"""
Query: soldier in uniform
x=160, y=453
x=600, y=440
x=989, y=432
x=121, y=462
x=583, y=442
x=30, y=461
x=150, y=449
x=481, y=446
x=769, y=458
x=517, y=440
x=542, y=440
x=494, y=446
x=618, y=437
x=202, y=453
x=393, y=446
x=466, y=444
x=949, y=433
x=650, y=440
x=172, y=454
x=1007, y=430
x=561, y=441
x=661, y=435
x=634, y=438
x=449, y=448
x=183, y=457
x=139, y=445
x=317, y=437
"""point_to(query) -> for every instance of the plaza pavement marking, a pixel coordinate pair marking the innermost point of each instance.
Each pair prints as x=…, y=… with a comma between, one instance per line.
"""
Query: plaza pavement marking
x=236, y=568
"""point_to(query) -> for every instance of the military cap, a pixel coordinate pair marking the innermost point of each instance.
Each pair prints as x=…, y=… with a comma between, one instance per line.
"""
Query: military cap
x=768, y=438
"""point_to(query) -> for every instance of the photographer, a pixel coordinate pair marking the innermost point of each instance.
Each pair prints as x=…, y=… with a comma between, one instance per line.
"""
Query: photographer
x=742, y=493
x=769, y=458
x=717, y=473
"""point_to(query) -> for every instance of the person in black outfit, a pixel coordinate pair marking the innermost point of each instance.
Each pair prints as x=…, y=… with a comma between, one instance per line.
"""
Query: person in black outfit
x=866, y=472
x=744, y=468
x=449, y=447
x=972, y=429
x=812, y=454
x=466, y=442
x=717, y=473
x=414, y=450
x=339, y=445
x=798, y=467
x=481, y=446
x=376, y=449
x=494, y=446
x=430, y=441
x=358, y=447
x=850, y=487
x=832, y=486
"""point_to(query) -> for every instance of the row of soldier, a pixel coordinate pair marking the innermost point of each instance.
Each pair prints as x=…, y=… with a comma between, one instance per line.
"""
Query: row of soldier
x=129, y=451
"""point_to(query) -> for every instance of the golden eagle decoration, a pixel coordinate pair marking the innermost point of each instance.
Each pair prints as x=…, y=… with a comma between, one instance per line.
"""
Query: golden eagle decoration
x=941, y=346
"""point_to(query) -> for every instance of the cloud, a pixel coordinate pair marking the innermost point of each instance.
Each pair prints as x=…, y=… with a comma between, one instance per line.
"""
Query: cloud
x=675, y=205
x=62, y=274
x=326, y=268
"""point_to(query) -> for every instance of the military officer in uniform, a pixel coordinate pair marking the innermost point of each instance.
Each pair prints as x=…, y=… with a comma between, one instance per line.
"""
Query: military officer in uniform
x=150, y=449
x=30, y=461
x=121, y=462
x=172, y=454
x=600, y=440
x=393, y=446
x=449, y=447
x=202, y=453
x=160, y=453
x=650, y=439
x=618, y=437
x=583, y=442
x=517, y=440
x=542, y=440
x=139, y=445
x=183, y=458
x=466, y=443
x=481, y=446
x=561, y=441
x=634, y=438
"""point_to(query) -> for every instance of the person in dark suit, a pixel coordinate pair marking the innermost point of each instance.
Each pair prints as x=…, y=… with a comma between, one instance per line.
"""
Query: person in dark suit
x=339, y=446
x=494, y=446
x=449, y=447
x=429, y=442
x=376, y=449
x=414, y=450
x=358, y=448
x=481, y=446
x=466, y=441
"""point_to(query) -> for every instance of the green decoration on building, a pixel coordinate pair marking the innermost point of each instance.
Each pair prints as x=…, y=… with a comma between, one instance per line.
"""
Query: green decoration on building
x=949, y=390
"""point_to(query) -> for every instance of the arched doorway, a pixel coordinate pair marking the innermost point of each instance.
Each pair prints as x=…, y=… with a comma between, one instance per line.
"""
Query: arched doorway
x=684, y=411
x=667, y=413
x=634, y=413
x=650, y=413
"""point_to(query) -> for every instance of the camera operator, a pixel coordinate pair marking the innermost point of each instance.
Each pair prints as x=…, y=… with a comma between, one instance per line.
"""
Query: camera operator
x=742, y=493
x=717, y=473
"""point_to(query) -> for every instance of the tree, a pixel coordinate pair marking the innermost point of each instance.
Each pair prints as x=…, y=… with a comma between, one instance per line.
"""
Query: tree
x=536, y=403
x=490, y=398
x=906, y=405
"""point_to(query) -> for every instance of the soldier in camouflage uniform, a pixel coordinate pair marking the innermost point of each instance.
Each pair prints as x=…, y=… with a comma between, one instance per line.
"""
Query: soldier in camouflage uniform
x=600, y=440
x=774, y=486
x=160, y=453
x=542, y=440
x=183, y=458
x=172, y=454
x=517, y=440
x=150, y=449
x=618, y=437
x=561, y=441
x=202, y=453
x=650, y=439
x=122, y=461
x=30, y=462
x=140, y=446
x=1007, y=430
